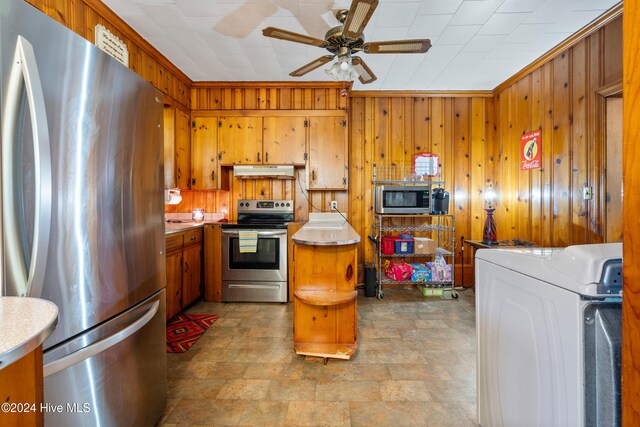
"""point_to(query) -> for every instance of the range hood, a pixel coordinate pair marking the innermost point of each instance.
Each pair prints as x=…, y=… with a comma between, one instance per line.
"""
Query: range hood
x=263, y=171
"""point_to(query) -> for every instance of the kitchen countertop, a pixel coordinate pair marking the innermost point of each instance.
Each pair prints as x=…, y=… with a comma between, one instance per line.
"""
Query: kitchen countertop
x=24, y=324
x=326, y=229
x=176, y=227
x=188, y=224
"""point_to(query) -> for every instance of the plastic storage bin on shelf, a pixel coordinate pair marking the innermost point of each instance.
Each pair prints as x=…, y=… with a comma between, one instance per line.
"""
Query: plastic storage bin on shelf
x=388, y=244
x=404, y=246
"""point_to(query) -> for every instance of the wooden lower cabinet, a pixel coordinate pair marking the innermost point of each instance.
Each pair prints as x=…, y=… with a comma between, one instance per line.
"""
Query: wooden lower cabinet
x=325, y=310
x=184, y=269
x=213, y=262
x=191, y=269
x=21, y=384
x=174, y=283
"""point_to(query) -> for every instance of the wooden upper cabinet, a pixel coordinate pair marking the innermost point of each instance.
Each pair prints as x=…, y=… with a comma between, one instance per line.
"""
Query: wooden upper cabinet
x=183, y=150
x=204, y=153
x=284, y=140
x=169, y=127
x=328, y=155
x=240, y=140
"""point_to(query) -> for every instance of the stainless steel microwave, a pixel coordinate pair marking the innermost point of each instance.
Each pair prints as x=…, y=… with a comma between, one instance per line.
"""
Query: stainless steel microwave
x=401, y=199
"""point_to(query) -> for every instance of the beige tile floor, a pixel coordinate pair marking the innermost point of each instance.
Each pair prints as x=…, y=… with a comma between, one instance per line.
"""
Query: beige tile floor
x=415, y=365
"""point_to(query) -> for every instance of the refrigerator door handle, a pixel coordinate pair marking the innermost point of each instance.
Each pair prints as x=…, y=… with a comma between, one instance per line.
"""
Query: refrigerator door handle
x=102, y=345
x=24, y=73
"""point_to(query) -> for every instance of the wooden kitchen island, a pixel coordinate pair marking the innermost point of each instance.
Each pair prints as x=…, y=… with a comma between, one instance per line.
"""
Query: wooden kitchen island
x=325, y=322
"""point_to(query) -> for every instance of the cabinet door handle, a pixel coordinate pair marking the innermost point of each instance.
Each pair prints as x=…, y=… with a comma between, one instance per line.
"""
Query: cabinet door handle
x=186, y=266
x=313, y=175
x=266, y=157
x=179, y=174
x=258, y=156
x=213, y=175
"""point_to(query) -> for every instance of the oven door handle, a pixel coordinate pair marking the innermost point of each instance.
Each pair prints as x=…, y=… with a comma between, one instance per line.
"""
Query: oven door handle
x=276, y=233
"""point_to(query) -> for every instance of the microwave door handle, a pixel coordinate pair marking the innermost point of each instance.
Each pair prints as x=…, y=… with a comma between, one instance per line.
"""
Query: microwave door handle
x=24, y=72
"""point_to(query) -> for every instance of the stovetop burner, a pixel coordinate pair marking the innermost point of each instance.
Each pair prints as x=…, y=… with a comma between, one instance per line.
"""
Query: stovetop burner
x=263, y=214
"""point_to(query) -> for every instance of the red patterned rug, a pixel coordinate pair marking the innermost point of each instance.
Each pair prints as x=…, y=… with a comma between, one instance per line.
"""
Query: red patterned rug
x=185, y=329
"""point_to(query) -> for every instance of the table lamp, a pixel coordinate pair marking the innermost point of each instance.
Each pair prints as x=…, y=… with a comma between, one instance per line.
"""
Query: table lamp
x=489, y=236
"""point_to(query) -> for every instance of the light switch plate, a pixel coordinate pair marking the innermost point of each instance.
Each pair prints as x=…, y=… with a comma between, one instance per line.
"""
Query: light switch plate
x=586, y=193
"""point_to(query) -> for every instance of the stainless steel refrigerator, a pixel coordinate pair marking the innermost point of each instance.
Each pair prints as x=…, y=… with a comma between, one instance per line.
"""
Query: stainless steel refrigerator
x=82, y=217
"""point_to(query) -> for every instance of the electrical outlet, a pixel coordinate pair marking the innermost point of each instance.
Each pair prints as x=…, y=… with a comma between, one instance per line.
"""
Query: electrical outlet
x=586, y=193
x=334, y=205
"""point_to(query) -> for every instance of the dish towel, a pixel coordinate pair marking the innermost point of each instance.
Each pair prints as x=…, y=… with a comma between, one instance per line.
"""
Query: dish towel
x=248, y=241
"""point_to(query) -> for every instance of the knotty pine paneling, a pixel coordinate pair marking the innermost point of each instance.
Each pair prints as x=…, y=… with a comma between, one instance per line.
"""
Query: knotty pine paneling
x=82, y=16
x=243, y=96
x=562, y=98
x=631, y=224
x=388, y=131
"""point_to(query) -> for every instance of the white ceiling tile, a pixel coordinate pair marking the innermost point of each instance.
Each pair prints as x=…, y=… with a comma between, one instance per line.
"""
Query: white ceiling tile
x=482, y=43
x=388, y=33
x=597, y=5
x=125, y=8
x=549, y=12
x=468, y=58
x=477, y=44
x=166, y=16
x=450, y=76
x=527, y=33
x=517, y=6
x=503, y=23
x=428, y=25
x=443, y=52
x=423, y=76
x=204, y=8
x=396, y=14
x=457, y=34
x=474, y=12
x=439, y=7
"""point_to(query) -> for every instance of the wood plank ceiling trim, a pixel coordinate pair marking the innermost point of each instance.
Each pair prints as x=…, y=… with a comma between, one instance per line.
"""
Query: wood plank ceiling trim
x=421, y=94
x=280, y=85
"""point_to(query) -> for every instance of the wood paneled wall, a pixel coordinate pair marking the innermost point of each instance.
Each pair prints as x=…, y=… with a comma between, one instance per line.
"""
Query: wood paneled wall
x=389, y=130
x=274, y=96
x=631, y=221
x=82, y=16
x=565, y=98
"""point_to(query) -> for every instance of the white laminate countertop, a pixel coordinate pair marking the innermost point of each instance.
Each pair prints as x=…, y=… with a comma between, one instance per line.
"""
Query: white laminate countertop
x=326, y=229
x=187, y=223
x=24, y=324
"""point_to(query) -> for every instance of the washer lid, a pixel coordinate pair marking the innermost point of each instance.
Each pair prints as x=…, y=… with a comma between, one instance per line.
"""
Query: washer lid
x=577, y=268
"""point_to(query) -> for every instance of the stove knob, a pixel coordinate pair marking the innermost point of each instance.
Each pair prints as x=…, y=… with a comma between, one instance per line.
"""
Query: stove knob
x=277, y=205
x=288, y=204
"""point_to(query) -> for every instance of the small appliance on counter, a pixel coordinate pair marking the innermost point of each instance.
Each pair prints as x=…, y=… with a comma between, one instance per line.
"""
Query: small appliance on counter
x=403, y=199
x=439, y=201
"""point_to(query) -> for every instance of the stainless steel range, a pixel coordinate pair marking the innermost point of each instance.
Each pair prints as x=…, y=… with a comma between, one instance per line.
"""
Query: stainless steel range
x=254, y=252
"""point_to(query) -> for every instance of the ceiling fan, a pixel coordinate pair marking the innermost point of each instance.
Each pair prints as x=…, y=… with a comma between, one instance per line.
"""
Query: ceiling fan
x=347, y=39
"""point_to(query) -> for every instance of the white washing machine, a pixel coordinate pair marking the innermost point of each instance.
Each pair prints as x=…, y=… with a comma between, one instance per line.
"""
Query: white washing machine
x=549, y=329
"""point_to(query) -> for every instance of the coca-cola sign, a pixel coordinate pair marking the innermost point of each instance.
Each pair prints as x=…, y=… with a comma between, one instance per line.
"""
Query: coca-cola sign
x=531, y=150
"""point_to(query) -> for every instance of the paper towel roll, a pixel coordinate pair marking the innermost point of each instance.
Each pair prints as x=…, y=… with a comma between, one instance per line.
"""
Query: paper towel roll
x=172, y=196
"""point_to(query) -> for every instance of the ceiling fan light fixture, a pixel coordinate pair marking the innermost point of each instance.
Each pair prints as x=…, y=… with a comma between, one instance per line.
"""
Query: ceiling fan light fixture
x=342, y=70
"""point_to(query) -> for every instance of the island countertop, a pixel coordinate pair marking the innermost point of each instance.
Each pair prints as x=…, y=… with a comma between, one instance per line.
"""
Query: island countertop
x=24, y=324
x=326, y=229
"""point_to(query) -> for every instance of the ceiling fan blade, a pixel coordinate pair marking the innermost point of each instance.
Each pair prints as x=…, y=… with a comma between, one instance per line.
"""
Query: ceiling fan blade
x=358, y=17
x=365, y=74
x=278, y=33
x=312, y=65
x=398, y=46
